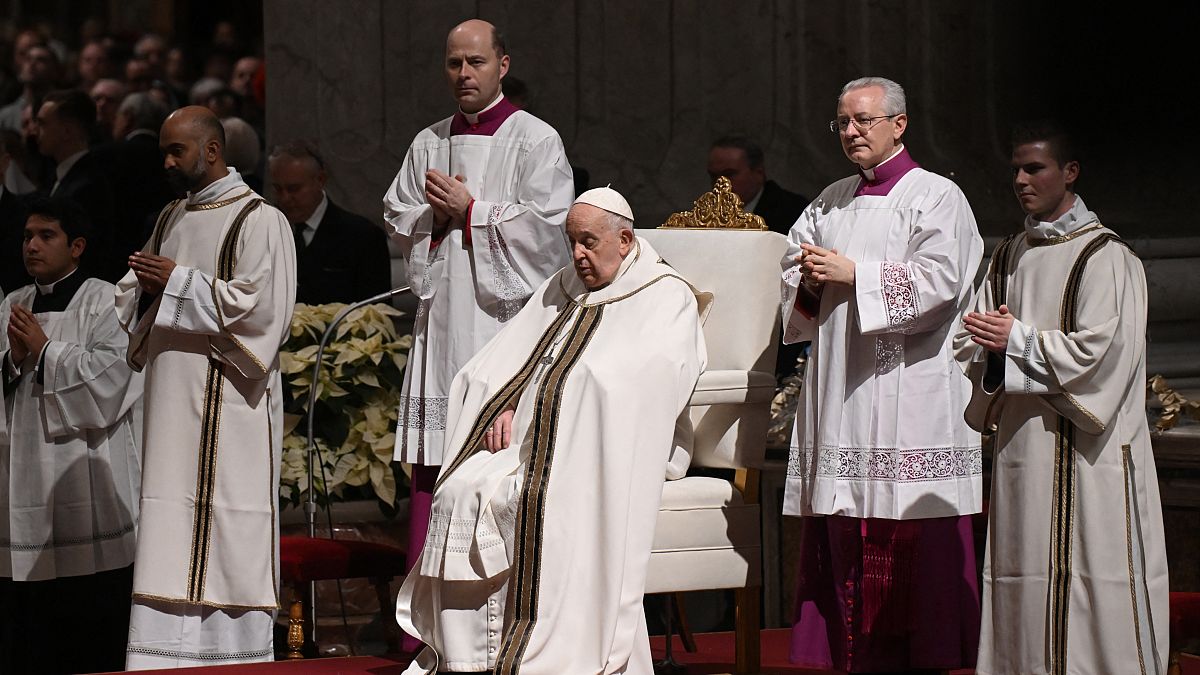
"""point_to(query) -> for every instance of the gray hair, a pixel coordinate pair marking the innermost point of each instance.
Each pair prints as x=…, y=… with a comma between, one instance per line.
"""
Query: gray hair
x=301, y=150
x=144, y=111
x=241, y=144
x=203, y=89
x=618, y=222
x=893, y=94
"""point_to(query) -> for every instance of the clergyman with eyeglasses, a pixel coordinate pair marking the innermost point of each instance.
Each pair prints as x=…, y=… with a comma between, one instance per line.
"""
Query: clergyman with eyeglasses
x=883, y=468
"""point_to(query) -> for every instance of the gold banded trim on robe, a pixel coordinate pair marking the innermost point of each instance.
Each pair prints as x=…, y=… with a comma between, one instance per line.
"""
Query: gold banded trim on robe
x=507, y=395
x=1126, y=459
x=206, y=474
x=210, y=426
x=521, y=612
x=160, y=227
x=1062, y=527
x=1001, y=260
x=1062, y=517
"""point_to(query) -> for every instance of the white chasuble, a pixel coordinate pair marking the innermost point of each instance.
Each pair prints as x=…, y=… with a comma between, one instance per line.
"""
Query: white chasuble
x=70, y=458
x=536, y=556
x=209, y=345
x=1075, y=575
x=879, y=430
x=475, y=279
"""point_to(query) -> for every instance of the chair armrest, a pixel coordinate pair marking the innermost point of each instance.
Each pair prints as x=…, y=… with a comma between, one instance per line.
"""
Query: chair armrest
x=717, y=387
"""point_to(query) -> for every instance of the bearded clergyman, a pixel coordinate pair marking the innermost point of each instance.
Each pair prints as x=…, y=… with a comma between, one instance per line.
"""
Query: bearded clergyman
x=207, y=303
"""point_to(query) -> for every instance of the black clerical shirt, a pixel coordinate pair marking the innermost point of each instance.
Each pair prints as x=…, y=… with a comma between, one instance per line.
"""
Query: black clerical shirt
x=60, y=295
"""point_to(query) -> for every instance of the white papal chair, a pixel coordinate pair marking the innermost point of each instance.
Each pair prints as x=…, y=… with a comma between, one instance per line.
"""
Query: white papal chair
x=709, y=532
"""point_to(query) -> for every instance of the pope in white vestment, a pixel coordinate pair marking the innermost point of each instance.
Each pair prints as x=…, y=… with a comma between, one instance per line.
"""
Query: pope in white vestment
x=209, y=343
x=536, y=557
x=1075, y=574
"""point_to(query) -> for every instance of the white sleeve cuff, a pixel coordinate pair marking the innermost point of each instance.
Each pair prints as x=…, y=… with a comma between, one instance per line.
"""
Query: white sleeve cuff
x=187, y=303
x=1029, y=374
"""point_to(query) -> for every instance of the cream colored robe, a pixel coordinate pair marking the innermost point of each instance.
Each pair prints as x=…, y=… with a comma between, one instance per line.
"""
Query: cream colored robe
x=523, y=187
x=1075, y=574
x=214, y=418
x=70, y=456
x=566, y=517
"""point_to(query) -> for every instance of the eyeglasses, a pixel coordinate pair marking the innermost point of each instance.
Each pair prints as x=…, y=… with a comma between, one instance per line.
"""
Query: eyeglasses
x=839, y=126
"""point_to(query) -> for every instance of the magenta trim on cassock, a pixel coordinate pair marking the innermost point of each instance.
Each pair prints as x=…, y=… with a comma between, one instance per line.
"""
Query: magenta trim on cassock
x=488, y=121
x=886, y=175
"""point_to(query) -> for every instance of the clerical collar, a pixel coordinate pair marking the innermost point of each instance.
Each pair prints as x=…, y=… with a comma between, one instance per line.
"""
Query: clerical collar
x=218, y=188
x=879, y=180
x=47, y=289
x=1076, y=217
x=485, y=122
x=57, y=296
x=65, y=166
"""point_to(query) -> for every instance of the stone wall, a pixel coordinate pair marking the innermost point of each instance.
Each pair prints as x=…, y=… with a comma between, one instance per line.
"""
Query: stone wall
x=637, y=90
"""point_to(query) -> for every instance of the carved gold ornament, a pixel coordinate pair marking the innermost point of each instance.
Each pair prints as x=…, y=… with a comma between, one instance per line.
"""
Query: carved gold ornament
x=718, y=209
x=1175, y=406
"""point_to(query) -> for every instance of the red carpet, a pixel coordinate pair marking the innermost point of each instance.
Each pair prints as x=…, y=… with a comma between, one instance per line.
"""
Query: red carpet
x=714, y=654
x=353, y=665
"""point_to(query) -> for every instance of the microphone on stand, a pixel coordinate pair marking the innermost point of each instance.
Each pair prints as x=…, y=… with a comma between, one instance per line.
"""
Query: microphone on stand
x=310, y=506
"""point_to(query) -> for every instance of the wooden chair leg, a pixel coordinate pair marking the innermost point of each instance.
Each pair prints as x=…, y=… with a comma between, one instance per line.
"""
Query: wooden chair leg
x=387, y=612
x=684, y=628
x=748, y=628
x=295, y=634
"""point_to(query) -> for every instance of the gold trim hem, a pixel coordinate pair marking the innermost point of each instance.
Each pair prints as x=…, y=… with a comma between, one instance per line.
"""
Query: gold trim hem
x=204, y=603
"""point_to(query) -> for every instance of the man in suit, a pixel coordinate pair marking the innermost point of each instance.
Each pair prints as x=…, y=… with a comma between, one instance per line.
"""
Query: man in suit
x=341, y=256
x=741, y=161
x=66, y=121
x=139, y=181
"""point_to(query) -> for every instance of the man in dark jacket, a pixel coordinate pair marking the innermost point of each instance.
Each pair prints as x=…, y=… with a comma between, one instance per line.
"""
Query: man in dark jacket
x=66, y=122
x=741, y=161
x=341, y=256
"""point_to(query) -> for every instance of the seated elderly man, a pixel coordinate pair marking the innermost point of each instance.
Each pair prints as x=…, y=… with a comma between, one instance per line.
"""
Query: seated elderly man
x=559, y=436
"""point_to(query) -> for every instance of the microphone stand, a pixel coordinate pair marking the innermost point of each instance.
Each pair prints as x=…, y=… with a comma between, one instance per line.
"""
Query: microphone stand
x=310, y=506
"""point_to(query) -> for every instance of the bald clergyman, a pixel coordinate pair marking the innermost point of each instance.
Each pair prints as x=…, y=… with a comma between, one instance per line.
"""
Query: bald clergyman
x=207, y=303
x=560, y=434
x=477, y=210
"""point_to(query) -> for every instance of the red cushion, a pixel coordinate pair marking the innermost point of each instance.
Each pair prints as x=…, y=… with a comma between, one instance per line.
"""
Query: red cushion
x=307, y=559
x=1185, y=617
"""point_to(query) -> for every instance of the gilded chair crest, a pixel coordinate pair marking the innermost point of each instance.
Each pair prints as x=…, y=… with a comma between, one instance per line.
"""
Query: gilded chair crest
x=720, y=209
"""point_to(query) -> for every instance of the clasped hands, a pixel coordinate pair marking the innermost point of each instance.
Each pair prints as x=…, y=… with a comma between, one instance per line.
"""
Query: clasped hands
x=990, y=330
x=152, y=271
x=25, y=335
x=819, y=265
x=449, y=198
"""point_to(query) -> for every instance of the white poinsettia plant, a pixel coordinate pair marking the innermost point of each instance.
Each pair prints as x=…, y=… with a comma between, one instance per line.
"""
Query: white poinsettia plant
x=358, y=393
